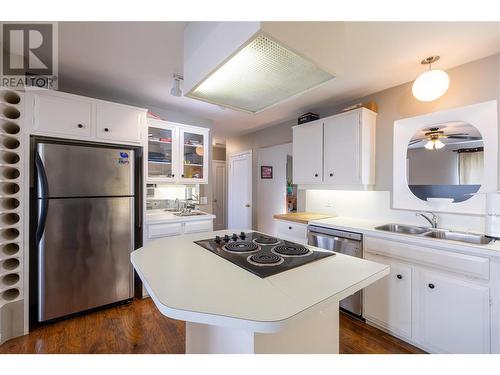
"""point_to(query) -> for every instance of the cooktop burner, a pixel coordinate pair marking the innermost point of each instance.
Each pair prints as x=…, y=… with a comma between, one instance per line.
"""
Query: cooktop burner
x=265, y=240
x=260, y=254
x=241, y=247
x=265, y=259
x=291, y=250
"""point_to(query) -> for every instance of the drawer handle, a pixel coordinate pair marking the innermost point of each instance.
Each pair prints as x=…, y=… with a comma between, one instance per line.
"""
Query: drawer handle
x=432, y=286
x=106, y=130
x=399, y=277
x=80, y=126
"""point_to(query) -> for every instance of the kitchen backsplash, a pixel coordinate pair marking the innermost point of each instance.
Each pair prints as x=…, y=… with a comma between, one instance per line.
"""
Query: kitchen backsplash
x=167, y=196
x=376, y=205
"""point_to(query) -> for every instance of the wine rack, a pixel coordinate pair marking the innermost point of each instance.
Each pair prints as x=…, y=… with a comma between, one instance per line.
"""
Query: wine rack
x=11, y=214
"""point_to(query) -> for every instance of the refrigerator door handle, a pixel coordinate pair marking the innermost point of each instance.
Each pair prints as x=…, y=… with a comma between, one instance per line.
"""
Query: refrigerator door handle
x=43, y=188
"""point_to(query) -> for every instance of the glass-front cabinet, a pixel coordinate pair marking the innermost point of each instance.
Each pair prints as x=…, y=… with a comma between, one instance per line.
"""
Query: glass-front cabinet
x=194, y=154
x=177, y=153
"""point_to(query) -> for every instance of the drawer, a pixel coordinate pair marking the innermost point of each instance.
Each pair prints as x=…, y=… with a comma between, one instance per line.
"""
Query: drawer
x=469, y=265
x=63, y=116
x=291, y=230
x=164, y=230
x=118, y=122
x=198, y=226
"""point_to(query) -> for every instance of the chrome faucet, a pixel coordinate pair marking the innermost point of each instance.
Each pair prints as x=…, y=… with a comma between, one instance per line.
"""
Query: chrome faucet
x=433, y=220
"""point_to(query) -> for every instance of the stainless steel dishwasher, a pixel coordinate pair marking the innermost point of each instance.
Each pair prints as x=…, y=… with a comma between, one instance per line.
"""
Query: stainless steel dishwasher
x=343, y=242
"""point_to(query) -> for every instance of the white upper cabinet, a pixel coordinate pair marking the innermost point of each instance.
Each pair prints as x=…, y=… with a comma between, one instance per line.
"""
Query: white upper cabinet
x=118, y=122
x=308, y=153
x=64, y=115
x=177, y=153
x=59, y=115
x=337, y=151
x=453, y=314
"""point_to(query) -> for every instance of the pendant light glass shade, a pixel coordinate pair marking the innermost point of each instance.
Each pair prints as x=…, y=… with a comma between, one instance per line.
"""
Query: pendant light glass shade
x=430, y=85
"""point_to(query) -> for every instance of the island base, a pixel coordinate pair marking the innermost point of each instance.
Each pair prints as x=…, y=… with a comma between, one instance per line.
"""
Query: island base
x=316, y=331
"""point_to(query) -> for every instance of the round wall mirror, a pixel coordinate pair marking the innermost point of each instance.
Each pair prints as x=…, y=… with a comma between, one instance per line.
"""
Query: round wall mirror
x=445, y=162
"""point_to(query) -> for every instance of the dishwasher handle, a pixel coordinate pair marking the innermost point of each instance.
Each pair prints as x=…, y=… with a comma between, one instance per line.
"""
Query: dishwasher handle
x=334, y=233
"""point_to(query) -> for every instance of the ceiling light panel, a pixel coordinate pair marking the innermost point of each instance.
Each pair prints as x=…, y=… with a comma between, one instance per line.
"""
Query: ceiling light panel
x=260, y=75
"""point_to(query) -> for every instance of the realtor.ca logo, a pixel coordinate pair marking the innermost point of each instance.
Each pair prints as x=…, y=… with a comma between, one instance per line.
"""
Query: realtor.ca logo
x=28, y=55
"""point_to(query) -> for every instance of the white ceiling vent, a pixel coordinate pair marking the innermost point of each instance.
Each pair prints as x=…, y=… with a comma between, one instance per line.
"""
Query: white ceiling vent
x=259, y=75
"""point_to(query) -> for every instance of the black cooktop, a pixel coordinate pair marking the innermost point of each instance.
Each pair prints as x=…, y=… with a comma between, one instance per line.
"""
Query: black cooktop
x=261, y=254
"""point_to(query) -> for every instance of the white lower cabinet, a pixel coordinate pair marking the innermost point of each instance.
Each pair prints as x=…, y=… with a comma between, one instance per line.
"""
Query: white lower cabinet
x=453, y=315
x=291, y=231
x=388, y=301
x=422, y=301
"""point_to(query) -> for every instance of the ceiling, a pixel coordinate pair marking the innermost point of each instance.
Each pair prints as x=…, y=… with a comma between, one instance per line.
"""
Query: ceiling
x=134, y=61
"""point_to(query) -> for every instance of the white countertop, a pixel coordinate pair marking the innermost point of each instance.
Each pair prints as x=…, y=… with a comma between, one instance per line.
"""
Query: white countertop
x=162, y=216
x=188, y=282
x=367, y=227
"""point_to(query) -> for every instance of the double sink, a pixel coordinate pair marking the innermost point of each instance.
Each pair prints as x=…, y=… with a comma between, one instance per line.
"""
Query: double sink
x=442, y=234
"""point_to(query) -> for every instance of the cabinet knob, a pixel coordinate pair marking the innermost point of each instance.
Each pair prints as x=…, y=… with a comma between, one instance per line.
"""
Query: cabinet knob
x=331, y=174
x=80, y=126
x=399, y=276
x=432, y=286
x=182, y=175
x=316, y=175
x=106, y=130
x=173, y=175
x=290, y=228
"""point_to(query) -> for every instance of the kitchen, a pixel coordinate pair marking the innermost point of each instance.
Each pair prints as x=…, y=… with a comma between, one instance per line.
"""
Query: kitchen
x=345, y=208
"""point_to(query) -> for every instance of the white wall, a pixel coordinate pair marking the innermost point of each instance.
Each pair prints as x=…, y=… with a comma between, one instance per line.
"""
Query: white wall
x=271, y=193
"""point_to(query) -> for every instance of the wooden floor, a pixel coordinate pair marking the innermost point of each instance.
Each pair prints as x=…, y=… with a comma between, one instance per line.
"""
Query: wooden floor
x=140, y=328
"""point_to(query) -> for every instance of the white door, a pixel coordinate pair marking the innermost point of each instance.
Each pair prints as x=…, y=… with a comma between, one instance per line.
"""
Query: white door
x=271, y=193
x=308, y=153
x=342, y=149
x=453, y=315
x=240, y=191
x=387, y=302
x=219, y=194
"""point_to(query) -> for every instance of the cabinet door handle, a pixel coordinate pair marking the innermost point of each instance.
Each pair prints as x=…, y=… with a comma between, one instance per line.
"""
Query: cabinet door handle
x=80, y=126
x=106, y=130
x=316, y=175
x=290, y=228
x=432, y=286
x=399, y=277
x=331, y=174
x=173, y=175
x=182, y=175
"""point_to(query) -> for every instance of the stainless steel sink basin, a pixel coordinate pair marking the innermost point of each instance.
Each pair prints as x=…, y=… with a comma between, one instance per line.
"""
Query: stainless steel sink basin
x=473, y=238
x=405, y=229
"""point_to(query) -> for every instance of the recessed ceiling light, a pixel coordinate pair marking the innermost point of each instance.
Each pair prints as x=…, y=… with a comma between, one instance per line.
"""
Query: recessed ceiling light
x=261, y=74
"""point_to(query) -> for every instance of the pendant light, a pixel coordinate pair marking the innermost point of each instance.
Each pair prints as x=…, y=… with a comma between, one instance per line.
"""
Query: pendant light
x=431, y=84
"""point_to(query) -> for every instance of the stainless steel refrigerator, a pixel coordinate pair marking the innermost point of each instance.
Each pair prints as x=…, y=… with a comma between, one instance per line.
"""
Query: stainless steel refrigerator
x=84, y=230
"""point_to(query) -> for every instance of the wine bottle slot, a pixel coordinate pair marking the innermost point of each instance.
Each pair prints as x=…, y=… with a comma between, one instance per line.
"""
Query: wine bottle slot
x=9, y=142
x=9, y=112
x=11, y=97
x=9, y=234
x=9, y=203
x=10, y=264
x=10, y=173
x=9, y=127
x=9, y=249
x=9, y=279
x=10, y=294
x=9, y=188
x=7, y=157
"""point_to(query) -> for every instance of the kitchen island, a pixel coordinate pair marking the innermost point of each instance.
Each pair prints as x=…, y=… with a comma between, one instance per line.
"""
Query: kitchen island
x=230, y=310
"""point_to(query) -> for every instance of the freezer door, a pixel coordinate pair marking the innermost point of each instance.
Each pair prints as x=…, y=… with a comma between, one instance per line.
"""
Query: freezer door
x=84, y=255
x=87, y=171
